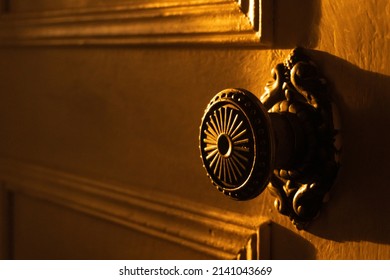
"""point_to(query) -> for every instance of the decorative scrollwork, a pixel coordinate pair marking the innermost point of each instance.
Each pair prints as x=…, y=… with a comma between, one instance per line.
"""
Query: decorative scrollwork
x=299, y=90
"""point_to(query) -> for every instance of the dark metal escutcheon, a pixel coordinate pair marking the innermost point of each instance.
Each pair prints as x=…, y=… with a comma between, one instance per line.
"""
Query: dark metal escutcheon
x=284, y=143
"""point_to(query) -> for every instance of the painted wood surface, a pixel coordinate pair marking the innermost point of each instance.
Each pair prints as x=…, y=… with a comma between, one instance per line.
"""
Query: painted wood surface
x=131, y=115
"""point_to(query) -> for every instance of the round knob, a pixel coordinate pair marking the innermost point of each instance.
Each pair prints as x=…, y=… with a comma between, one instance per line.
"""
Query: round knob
x=236, y=143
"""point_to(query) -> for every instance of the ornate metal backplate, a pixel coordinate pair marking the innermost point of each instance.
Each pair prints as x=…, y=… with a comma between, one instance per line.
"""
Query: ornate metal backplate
x=299, y=90
x=285, y=142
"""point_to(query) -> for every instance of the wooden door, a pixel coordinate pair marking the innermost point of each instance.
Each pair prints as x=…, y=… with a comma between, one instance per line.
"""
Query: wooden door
x=100, y=111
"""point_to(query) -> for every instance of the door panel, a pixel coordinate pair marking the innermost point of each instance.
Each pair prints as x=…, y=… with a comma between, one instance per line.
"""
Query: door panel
x=99, y=136
x=44, y=230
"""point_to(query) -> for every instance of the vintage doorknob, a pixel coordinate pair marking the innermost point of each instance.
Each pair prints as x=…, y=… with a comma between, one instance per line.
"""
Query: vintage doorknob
x=284, y=143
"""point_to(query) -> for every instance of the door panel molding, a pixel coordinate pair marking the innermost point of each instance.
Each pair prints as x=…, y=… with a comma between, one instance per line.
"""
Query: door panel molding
x=144, y=22
x=216, y=233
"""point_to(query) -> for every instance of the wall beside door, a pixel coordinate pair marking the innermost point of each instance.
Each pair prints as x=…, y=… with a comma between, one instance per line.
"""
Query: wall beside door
x=117, y=125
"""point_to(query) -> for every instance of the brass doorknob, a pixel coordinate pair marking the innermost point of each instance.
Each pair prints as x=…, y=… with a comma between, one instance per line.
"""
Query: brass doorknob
x=237, y=143
x=284, y=143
